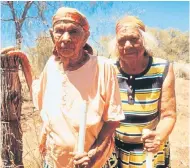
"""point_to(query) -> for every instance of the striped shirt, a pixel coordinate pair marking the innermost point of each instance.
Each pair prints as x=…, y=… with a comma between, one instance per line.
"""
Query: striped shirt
x=140, y=95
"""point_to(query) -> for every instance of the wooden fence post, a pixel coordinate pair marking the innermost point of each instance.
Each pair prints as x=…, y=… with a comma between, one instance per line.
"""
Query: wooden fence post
x=11, y=102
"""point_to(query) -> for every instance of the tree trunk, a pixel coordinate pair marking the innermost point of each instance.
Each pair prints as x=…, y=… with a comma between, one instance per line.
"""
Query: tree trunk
x=11, y=101
x=18, y=34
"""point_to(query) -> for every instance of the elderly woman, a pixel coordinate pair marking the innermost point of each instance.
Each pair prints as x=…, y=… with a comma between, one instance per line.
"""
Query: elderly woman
x=71, y=76
x=148, y=99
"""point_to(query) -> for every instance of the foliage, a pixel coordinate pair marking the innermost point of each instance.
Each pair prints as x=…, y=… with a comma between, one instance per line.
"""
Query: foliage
x=39, y=54
x=173, y=45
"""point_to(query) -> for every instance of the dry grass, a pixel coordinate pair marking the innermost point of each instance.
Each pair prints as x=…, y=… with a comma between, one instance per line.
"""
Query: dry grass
x=182, y=70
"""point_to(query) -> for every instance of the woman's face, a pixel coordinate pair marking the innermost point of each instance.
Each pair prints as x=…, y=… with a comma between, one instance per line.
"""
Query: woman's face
x=69, y=38
x=130, y=43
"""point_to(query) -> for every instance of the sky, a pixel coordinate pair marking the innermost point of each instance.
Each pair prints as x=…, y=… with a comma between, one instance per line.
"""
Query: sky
x=102, y=17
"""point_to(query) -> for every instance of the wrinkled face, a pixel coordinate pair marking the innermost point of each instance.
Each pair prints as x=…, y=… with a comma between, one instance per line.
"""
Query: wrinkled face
x=129, y=43
x=69, y=38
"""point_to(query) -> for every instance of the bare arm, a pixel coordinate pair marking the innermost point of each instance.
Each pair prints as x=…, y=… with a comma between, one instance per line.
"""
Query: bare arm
x=104, y=139
x=167, y=107
x=98, y=148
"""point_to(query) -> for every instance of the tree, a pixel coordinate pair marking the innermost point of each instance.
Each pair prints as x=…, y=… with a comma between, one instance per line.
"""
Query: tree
x=12, y=146
x=19, y=18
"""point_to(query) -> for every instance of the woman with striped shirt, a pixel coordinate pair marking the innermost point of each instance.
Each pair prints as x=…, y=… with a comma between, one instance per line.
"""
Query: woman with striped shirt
x=148, y=99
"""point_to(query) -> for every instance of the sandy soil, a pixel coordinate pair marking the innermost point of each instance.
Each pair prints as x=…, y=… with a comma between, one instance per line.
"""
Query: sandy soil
x=179, y=138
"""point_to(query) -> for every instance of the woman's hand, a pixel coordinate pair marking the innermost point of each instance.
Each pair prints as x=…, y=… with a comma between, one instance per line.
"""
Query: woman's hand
x=152, y=141
x=81, y=160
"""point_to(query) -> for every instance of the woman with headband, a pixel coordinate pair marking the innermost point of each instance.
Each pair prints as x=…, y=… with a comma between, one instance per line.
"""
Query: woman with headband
x=148, y=98
x=70, y=77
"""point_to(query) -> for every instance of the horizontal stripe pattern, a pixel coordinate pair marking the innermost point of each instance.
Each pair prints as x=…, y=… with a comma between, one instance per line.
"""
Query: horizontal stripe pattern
x=143, y=113
x=145, y=90
x=131, y=118
x=132, y=132
x=137, y=158
x=139, y=107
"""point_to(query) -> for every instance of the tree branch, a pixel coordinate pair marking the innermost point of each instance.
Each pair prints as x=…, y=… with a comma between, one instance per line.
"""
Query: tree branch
x=4, y=3
x=7, y=19
x=41, y=7
x=26, y=7
x=31, y=17
x=10, y=4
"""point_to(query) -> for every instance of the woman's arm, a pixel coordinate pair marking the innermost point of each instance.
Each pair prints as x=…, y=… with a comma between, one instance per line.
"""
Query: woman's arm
x=97, y=150
x=167, y=107
x=104, y=138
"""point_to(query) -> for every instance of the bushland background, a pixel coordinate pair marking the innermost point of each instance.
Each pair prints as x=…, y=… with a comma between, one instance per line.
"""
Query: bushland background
x=172, y=44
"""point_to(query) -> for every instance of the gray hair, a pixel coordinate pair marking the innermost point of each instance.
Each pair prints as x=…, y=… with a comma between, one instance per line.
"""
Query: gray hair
x=149, y=42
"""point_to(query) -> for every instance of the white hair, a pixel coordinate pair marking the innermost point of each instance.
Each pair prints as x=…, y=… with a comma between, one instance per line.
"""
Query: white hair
x=150, y=43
